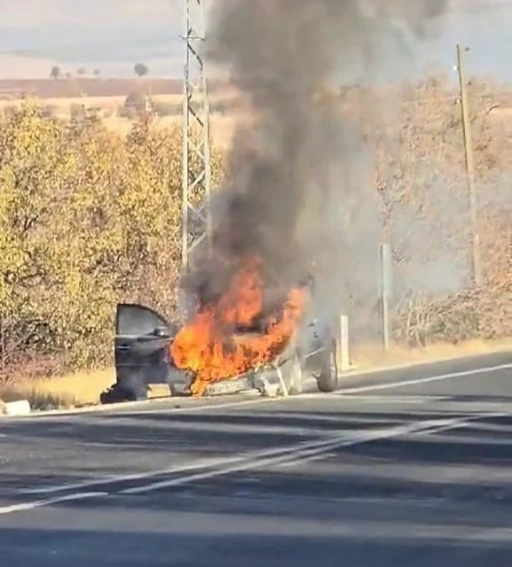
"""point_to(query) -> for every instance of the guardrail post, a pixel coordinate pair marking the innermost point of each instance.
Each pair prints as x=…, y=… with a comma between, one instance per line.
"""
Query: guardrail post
x=343, y=349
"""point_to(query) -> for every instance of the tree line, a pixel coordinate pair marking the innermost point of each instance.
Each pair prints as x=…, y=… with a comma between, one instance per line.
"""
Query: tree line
x=140, y=69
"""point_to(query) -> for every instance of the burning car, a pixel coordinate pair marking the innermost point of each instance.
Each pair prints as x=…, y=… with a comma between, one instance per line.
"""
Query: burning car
x=228, y=347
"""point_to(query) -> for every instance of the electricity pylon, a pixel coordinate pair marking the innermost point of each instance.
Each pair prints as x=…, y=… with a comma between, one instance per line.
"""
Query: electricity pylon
x=196, y=183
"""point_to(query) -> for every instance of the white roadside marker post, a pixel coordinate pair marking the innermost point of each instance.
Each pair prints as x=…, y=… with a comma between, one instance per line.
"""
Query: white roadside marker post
x=343, y=349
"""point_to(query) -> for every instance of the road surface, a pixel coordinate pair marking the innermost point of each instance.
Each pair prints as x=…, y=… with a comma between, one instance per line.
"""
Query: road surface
x=411, y=467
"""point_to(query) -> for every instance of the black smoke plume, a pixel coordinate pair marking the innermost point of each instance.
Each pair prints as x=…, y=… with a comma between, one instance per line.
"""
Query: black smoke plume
x=294, y=170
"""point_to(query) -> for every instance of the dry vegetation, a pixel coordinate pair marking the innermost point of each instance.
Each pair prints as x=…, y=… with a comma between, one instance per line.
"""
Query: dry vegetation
x=95, y=87
x=58, y=392
x=90, y=215
x=118, y=102
x=370, y=356
x=420, y=175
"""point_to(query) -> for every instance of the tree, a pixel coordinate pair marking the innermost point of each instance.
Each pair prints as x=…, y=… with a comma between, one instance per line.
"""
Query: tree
x=134, y=104
x=141, y=69
x=80, y=71
x=96, y=72
x=135, y=100
x=87, y=218
x=55, y=72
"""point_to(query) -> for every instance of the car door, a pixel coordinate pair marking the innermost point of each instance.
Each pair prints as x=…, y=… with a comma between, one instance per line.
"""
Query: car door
x=141, y=347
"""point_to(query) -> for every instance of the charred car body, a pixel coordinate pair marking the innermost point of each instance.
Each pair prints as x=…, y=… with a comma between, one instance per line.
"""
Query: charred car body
x=143, y=358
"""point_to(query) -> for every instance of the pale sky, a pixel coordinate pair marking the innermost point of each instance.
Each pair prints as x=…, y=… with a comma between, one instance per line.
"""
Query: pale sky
x=112, y=35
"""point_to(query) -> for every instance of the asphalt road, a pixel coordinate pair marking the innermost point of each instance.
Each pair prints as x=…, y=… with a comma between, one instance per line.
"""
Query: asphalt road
x=402, y=468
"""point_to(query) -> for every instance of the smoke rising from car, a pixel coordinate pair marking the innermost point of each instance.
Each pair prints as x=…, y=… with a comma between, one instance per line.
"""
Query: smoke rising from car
x=300, y=194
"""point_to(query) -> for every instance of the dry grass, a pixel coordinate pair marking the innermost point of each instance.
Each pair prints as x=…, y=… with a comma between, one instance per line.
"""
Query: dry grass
x=373, y=356
x=68, y=391
x=222, y=127
x=105, y=87
x=72, y=390
x=123, y=126
x=63, y=104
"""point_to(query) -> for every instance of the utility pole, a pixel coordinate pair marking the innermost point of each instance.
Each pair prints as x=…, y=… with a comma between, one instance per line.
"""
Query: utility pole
x=470, y=167
x=196, y=182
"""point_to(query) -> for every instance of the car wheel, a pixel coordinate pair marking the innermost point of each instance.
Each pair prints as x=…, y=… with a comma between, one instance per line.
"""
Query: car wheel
x=327, y=380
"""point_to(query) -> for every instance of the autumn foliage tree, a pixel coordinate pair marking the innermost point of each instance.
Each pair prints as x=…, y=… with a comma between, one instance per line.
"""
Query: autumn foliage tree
x=415, y=132
x=87, y=219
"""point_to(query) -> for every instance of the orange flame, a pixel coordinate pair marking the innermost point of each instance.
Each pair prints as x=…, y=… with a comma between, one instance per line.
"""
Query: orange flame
x=209, y=345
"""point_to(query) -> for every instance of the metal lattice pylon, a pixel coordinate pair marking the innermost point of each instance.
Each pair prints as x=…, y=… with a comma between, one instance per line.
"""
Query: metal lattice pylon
x=196, y=218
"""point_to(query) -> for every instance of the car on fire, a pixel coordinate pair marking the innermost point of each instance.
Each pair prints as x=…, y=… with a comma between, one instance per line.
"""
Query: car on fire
x=143, y=358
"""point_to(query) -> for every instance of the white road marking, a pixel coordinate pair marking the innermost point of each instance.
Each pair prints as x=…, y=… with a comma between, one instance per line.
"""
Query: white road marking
x=48, y=502
x=254, y=455
x=415, y=382
x=291, y=454
x=342, y=392
x=128, y=408
x=248, y=460
x=382, y=399
x=200, y=464
x=297, y=453
x=304, y=460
